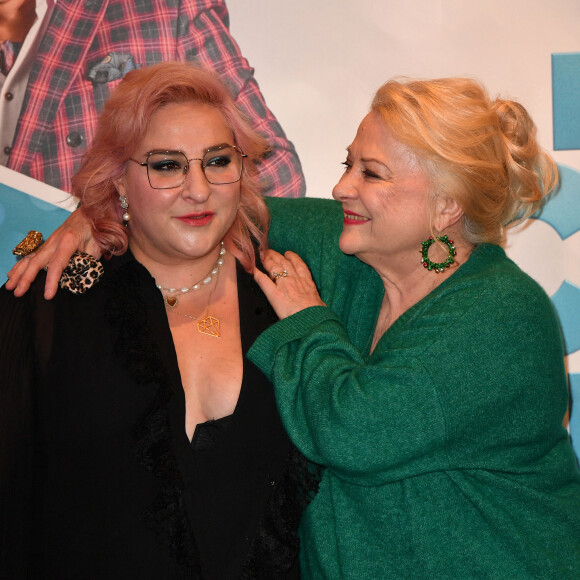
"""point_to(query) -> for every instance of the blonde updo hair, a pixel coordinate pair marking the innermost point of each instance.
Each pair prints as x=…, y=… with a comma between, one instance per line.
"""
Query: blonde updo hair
x=124, y=123
x=479, y=152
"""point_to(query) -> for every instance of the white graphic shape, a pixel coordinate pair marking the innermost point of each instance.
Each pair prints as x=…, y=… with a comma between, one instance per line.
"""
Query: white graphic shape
x=538, y=250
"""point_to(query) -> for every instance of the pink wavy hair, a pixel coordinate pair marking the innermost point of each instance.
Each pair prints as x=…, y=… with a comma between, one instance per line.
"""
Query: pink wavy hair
x=124, y=123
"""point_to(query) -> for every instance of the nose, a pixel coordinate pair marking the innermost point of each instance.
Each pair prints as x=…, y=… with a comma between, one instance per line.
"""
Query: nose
x=345, y=188
x=196, y=186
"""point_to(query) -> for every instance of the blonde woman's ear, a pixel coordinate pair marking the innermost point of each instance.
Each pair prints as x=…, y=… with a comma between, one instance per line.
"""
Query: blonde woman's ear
x=447, y=213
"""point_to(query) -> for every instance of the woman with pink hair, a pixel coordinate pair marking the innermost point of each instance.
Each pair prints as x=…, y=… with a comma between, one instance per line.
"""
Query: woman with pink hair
x=137, y=440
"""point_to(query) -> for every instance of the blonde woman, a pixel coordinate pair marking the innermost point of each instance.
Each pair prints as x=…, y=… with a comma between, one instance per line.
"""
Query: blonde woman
x=432, y=387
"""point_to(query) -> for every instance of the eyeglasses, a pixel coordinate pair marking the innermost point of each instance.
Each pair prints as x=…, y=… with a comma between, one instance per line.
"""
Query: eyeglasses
x=168, y=169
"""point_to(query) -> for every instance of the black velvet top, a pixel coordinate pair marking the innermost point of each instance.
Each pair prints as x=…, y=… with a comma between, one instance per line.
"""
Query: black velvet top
x=98, y=478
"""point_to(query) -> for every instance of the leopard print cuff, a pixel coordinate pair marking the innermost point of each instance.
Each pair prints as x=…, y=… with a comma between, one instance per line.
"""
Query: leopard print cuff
x=82, y=272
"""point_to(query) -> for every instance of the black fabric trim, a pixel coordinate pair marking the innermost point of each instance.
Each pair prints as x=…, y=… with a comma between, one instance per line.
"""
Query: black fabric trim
x=134, y=344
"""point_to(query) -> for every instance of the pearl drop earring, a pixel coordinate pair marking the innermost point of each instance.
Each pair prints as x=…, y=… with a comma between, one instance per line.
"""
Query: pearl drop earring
x=125, y=206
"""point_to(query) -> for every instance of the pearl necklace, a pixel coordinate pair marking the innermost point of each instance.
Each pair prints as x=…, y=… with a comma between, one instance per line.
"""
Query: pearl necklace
x=171, y=299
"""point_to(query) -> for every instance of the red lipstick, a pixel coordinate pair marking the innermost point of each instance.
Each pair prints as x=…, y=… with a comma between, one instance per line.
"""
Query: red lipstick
x=354, y=219
x=196, y=219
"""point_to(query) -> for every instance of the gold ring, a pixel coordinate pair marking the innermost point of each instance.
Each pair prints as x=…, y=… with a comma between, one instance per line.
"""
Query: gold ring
x=276, y=275
x=32, y=240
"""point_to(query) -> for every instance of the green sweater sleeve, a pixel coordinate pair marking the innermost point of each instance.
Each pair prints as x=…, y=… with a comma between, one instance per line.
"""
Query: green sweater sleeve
x=336, y=408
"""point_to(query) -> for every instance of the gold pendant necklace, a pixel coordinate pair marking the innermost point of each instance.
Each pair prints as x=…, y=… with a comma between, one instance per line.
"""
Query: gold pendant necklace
x=209, y=324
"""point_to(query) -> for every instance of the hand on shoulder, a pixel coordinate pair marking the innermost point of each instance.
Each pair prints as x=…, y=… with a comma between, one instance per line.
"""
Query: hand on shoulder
x=290, y=288
x=54, y=255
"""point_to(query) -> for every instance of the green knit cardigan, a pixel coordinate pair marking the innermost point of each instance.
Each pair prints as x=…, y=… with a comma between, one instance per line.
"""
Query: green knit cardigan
x=444, y=450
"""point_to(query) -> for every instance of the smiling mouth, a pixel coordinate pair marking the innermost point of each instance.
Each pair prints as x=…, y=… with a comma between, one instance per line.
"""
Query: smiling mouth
x=354, y=218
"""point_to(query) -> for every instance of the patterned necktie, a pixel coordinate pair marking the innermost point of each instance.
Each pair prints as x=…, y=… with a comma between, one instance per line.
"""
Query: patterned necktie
x=7, y=56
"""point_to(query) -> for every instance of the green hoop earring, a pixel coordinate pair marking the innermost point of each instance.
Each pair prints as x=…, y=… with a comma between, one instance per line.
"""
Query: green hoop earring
x=437, y=266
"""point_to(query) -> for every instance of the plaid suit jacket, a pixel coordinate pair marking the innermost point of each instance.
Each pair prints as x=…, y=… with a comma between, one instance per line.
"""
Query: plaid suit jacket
x=72, y=77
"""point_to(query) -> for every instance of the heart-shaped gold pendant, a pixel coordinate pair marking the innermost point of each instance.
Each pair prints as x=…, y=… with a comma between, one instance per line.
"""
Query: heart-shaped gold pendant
x=171, y=301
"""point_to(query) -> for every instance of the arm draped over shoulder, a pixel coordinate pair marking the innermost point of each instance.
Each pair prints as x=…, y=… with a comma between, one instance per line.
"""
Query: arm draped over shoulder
x=429, y=397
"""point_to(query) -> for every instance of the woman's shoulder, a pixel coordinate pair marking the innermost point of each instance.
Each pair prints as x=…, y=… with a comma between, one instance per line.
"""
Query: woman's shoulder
x=490, y=265
x=488, y=291
x=493, y=288
x=81, y=281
